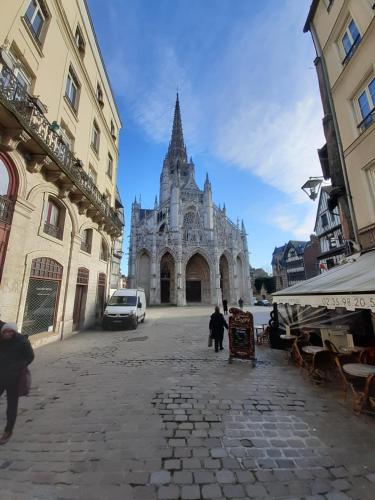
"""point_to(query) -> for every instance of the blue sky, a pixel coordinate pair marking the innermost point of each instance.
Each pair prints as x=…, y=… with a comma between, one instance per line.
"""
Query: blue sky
x=249, y=101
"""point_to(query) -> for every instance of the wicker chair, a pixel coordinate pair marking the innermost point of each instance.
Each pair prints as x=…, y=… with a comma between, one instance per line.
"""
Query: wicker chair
x=323, y=363
x=347, y=380
x=331, y=347
x=364, y=397
x=367, y=356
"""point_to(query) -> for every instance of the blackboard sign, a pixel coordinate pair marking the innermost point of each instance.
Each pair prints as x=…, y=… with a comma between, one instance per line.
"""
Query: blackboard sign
x=241, y=335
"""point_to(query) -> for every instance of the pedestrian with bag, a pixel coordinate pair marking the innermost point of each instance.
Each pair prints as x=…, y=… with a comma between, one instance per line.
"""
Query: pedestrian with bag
x=216, y=326
x=16, y=354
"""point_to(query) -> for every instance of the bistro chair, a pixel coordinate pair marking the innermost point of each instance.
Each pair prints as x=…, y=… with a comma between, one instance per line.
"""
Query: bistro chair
x=331, y=347
x=367, y=356
x=346, y=379
x=323, y=363
x=364, y=397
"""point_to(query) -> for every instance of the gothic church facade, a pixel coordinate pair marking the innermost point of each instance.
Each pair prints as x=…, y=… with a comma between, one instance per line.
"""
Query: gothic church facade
x=186, y=250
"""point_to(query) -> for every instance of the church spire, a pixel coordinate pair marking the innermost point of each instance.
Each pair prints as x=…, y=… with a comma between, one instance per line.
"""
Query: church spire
x=177, y=147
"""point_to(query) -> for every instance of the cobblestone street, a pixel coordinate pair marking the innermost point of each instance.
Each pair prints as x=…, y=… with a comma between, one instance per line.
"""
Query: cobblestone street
x=154, y=414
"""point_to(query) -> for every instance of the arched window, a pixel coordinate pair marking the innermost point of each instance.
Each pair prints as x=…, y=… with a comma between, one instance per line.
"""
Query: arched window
x=104, y=250
x=86, y=241
x=8, y=195
x=42, y=296
x=54, y=219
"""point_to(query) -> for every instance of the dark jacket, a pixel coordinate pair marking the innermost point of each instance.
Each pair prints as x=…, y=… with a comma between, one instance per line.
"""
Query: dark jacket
x=217, y=324
x=15, y=355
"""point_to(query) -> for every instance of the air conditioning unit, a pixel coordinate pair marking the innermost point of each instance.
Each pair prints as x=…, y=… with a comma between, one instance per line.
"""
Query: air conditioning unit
x=339, y=336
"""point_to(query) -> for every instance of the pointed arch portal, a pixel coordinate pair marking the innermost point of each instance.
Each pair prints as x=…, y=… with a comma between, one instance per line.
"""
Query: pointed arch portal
x=167, y=279
x=224, y=278
x=198, y=287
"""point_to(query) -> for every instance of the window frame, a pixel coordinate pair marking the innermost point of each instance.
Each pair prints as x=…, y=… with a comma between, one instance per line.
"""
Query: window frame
x=95, y=138
x=347, y=53
x=37, y=36
x=110, y=167
x=91, y=171
x=365, y=122
x=72, y=75
x=79, y=40
x=99, y=95
x=113, y=131
x=51, y=227
x=86, y=242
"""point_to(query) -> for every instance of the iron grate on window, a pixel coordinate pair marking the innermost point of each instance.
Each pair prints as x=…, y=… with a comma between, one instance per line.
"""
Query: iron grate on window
x=44, y=267
x=40, y=306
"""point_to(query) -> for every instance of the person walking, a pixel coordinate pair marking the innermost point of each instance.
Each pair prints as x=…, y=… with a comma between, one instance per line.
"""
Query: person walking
x=16, y=354
x=240, y=303
x=225, y=306
x=217, y=324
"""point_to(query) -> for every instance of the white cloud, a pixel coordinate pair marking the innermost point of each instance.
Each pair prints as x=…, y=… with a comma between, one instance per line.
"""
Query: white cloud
x=294, y=219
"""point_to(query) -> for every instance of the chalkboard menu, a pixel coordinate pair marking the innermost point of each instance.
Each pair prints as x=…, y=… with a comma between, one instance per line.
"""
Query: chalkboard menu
x=241, y=335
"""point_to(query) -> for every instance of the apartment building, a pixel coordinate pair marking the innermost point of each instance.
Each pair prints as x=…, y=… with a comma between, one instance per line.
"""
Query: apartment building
x=59, y=128
x=343, y=33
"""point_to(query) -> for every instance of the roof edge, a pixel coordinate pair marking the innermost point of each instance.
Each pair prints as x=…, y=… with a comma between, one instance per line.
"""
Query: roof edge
x=311, y=14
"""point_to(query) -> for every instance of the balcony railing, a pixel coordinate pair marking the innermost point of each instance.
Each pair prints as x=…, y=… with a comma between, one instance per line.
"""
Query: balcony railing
x=15, y=98
x=52, y=230
x=6, y=209
x=367, y=121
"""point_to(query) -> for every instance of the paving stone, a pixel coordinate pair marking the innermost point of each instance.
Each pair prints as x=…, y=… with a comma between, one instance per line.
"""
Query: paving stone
x=203, y=477
x=191, y=492
x=225, y=476
x=171, y=492
x=339, y=472
x=172, y=464
x=218, y=453
x=183, y=477
x=211, y=491
x=212, y=463
x=256, y=491
x=234, y=491
x=136, y=478
x=160, y=477
x=244, y=476
x=191, y=463
x=341, y=484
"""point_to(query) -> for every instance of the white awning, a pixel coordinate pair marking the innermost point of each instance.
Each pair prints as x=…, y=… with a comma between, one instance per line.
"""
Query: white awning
x=351, y=286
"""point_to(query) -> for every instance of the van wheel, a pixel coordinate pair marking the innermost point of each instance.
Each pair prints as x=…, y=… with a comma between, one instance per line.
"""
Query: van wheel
x=144, y=316
x=135, y=324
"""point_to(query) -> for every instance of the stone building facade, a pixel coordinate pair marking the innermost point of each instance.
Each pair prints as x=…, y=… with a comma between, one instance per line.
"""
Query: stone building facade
x=186, y=250
x=59, y=128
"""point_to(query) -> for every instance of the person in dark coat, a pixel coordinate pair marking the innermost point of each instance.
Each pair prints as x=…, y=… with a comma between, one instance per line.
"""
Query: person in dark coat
x=225, y=306
x=15, y=354
x=240, y=303
x=217, y=324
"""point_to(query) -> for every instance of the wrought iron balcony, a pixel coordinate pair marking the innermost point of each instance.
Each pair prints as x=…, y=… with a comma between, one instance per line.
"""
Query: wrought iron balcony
x=16, y=99
x=55, y=231
x=6, y=209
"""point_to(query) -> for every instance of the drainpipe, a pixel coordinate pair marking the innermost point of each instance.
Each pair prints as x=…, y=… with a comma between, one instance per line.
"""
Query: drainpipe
x=67, y=285
x=319, y=52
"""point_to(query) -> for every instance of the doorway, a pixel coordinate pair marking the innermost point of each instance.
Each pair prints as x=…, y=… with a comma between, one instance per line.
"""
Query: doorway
x=193, y=291
x=167, y=279
x=80, y=298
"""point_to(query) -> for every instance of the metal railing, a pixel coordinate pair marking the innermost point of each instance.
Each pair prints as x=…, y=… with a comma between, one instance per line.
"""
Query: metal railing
x=15, y=98
x=6, y=209
x=55, y=231
x=367, y=120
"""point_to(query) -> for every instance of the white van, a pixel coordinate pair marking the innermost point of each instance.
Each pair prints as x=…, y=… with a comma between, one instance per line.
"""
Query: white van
x=127, y=306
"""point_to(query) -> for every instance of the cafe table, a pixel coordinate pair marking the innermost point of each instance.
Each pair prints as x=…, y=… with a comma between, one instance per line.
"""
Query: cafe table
x=312, y=349
x=359, y=369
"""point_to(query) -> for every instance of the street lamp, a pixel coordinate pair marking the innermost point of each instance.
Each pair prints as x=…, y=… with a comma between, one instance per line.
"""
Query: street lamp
x=312, y=186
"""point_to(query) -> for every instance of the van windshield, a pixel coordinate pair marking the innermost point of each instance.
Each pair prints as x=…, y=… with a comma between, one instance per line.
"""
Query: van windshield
x=122, y=300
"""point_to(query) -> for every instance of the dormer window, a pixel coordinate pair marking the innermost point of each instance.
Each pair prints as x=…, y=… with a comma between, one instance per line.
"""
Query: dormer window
x=79, y=40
